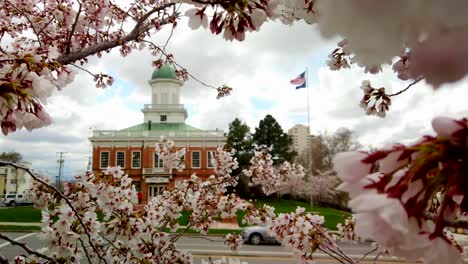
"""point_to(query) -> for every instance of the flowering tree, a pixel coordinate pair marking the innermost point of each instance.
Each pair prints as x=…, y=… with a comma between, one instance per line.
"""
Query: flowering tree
x=419, y=190
x=73, y=232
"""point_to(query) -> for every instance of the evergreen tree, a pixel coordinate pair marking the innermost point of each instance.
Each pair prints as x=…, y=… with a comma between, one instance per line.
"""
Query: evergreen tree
x=270, y=133
x=11, y=156
x=239, y=138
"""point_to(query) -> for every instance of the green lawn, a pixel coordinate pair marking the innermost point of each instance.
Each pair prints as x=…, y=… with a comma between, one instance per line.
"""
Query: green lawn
x=12, y=228
x=20, y=214
x=332, y=216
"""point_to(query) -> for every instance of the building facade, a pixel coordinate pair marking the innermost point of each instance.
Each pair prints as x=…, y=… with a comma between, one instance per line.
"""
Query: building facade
x=14, y=180
x=133, y=148
x=301, y=138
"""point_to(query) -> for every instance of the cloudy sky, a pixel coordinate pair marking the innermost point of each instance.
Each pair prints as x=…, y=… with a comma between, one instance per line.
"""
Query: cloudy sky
x=259, y=70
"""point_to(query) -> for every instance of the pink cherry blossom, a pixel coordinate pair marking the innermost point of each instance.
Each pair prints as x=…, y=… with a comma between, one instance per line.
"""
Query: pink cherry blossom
x=349, y=166
x=445, y=126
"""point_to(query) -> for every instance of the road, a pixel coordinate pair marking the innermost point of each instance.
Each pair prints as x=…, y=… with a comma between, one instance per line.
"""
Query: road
x=201, y=248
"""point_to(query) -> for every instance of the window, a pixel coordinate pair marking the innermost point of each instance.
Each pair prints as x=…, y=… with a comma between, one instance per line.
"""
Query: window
x=12, y=181
x=209, y=160
x=196, y=159
x=120, y=159
x=158, y=163
x=163, y=118
x=136, y=159
x=104, y=159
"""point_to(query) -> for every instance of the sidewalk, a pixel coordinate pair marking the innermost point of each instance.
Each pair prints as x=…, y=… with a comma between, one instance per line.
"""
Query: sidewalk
x=20, y=224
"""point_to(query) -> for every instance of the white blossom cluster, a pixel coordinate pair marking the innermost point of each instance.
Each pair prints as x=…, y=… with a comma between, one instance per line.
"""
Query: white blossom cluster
x=125, y=234
x=262, y=172
x=171, y=156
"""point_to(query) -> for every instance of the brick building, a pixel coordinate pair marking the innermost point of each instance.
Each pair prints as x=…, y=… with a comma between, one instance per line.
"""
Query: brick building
x=133, y=148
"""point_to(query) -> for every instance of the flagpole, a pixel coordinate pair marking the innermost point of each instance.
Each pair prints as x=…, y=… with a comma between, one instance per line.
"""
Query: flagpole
x=310, y=141
x=308, y=117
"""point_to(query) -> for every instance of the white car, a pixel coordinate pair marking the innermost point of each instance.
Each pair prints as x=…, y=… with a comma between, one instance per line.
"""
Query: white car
x=256, y=235
x=13, y=199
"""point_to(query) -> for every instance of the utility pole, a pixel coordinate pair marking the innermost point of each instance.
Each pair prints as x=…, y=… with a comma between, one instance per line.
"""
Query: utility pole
x=60, y=161
x=89, y=164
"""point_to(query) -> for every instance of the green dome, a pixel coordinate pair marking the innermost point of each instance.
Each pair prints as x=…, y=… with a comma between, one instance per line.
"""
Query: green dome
x=165, y=72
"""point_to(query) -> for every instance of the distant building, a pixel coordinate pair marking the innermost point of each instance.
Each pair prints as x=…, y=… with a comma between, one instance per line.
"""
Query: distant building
x=301, y=138
x=14, y=180
x=133, y=148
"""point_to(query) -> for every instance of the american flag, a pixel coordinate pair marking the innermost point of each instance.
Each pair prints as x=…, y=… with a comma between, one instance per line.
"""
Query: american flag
x=299, y=81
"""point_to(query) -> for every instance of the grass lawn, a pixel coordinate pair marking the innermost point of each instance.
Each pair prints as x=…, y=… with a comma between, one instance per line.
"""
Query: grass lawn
x=210, y=232
x=12, y=228
x=332, y=216
x=20, y=214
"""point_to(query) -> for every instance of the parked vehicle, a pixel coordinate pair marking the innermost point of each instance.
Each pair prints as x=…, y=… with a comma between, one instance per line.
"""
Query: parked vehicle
x=258, y=234
x=13, y=199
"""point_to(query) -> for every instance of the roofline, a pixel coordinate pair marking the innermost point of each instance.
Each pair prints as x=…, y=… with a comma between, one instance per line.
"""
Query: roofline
x=170, y=80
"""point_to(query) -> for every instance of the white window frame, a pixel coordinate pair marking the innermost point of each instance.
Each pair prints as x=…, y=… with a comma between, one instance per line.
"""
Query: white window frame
x=117, y=160
x=208, y=159
x=100, y=159
x=139, y=158
x=199, y=160
x=159, y=163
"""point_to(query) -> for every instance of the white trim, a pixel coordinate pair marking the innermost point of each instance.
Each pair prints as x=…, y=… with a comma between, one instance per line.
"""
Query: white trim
x=191, y=159
x=123, y=167
x=208, y=159
x=100, y=159
x=131, y=165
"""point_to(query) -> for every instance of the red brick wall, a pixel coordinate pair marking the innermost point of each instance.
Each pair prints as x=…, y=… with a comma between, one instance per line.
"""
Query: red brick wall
x=147, y=162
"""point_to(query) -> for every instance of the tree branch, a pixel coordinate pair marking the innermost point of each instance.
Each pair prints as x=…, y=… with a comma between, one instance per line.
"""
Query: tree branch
x=55, y=190
x=27, y=18
x=105, y=45
x=367, y=254
x=26, y=248
x=404, y=90
x=73, y=28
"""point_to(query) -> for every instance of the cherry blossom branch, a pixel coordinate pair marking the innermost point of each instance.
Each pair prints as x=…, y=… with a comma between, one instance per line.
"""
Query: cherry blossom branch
x=27, y=18
x=409, y=86
x=69, y=40
x=367, y=254
x=84, y=249
x=331, y=254
x=56, y=191
x=83, y=69
x=179, y=235
x=133, y=35
x=26, y=248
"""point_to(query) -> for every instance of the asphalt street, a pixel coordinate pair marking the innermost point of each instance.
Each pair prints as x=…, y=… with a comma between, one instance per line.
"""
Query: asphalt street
x=201, y=248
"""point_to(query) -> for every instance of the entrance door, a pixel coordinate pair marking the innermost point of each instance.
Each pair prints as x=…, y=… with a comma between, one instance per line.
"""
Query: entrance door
x=155, y=189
